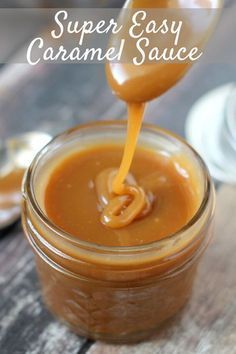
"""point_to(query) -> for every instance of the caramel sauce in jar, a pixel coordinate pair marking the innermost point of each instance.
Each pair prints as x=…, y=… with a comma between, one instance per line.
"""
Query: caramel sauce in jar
x=117, y=239
x=121, y=285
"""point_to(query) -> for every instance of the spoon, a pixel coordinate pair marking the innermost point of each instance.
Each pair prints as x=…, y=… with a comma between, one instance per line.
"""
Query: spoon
x=142, y=83
x=16, y=155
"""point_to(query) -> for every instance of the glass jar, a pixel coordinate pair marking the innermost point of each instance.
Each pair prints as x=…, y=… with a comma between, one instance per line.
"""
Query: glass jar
x=115, y=294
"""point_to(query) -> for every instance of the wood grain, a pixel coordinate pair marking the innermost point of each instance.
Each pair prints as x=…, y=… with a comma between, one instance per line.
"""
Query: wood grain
x=208, y=323
x=26, y=327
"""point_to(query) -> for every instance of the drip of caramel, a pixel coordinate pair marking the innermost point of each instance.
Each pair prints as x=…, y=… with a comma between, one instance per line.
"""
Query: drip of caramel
x=121, y=199
x=135, y=118
x=79, y=189
x=136, y=85
x=120, y=210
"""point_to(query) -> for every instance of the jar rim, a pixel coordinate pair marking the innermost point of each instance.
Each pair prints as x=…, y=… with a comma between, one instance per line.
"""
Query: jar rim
x=29, y=195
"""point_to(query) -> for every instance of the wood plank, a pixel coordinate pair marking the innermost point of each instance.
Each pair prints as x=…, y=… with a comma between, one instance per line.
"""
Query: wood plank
x=208, y=323
x=25, y=324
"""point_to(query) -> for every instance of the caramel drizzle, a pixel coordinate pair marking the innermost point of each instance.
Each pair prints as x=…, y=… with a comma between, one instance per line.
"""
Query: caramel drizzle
x=135, y=118
x=121, y=199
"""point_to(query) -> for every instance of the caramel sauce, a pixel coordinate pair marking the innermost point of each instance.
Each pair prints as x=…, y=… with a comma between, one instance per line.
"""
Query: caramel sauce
x=136, y=86
x=124, y=202
x=10, y=188
x=72, y=203
x=117, y=294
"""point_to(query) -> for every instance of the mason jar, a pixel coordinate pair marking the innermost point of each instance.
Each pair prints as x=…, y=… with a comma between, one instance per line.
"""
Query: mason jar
x=116, y=294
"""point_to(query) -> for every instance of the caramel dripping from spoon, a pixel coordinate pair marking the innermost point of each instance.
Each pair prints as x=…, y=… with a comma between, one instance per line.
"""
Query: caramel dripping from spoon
x=127, y=202
x=121, y=199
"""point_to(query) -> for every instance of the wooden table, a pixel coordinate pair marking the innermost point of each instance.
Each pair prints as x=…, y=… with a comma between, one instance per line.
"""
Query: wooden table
x=48, y=93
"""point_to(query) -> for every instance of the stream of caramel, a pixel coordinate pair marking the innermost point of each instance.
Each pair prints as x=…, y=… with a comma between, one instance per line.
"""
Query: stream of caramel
x=124, y=201
x=121, y=198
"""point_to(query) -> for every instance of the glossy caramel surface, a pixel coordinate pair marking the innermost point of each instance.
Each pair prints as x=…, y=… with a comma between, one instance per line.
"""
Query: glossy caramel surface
x=71, y=200
x=138, y=84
